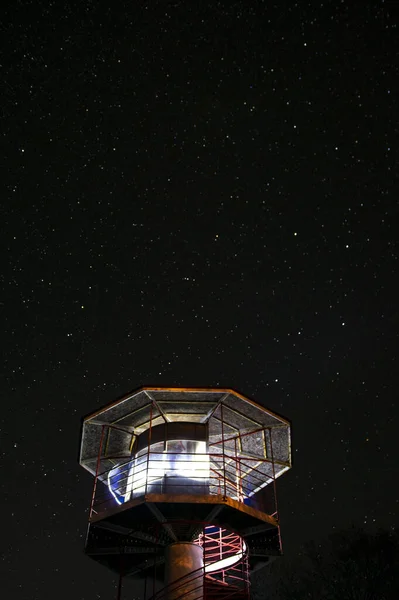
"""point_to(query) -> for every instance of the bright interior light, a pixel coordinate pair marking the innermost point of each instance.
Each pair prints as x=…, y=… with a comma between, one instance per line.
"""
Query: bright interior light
x=224, y=563
x=111, y=488
x=181, y=459
x=117, y=479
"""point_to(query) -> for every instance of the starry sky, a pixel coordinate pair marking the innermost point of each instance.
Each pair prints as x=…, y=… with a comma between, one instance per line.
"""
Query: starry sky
x=196, y=194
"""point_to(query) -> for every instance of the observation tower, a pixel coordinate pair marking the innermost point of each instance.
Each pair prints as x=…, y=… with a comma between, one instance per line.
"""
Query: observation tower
x=184, y=492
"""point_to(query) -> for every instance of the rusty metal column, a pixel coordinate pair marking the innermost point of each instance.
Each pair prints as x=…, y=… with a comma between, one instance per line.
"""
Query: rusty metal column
x=184, y=571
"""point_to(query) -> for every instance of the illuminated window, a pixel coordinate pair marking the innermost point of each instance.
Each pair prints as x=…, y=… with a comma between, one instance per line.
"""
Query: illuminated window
x=180, y=467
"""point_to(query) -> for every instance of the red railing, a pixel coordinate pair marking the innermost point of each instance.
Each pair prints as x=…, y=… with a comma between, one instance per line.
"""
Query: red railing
x=189, y=587
x=244, y=479
x=216, y=579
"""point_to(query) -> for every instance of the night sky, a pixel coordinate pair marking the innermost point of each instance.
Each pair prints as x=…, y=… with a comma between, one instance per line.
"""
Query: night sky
x=196, y=194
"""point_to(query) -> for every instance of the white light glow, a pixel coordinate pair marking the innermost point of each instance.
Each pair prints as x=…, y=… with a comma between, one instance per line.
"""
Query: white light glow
x=152, y=469
x=226, y=562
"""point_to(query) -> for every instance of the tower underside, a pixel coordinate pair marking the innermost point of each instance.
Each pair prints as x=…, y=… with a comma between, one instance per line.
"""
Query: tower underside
x=148, y=525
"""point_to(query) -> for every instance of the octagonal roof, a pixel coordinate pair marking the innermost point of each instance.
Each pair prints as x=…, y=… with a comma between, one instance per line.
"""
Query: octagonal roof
x=228, y=414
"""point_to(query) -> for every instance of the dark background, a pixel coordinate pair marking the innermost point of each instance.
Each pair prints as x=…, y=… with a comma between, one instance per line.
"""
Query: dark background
x=196, y=194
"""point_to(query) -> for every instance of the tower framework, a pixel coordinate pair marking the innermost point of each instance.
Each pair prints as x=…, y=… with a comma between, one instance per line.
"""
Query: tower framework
x=184, y=491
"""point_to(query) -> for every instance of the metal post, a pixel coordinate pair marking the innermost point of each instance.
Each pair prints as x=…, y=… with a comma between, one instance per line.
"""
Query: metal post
x=204, y=560
x=148, y=451
x=237, y=474
x=274, y=487
x=221, y=550
x=145, y=586
x=246, y=575
x=97, y=470
x=119, y=592
x=154, y=573
x=224, y=458
x=274, y=472
x=239, y=465
x=240, y=492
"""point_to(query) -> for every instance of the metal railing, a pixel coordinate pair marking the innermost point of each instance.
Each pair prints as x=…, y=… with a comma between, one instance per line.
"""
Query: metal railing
x=243, y=479
x=216, y=579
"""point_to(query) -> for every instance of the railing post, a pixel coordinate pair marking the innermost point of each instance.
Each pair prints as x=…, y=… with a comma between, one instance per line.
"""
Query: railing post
x=237, y=474
x=97, y=471
x=275, y=488
x=224, y=457
x=202, y=543
x=273, y=470
x=221, y=551
x=148, y=452
x=240, y=493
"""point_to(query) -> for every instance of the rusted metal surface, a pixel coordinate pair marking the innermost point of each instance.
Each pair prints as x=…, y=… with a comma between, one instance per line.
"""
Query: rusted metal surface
x=184, y=571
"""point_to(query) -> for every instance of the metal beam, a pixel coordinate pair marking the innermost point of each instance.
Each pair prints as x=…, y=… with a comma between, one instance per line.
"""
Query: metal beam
x=160, y=517
x=120, y=550
x=113, y=527
x=256, y=529
x=147, y=393
x=214, y=408
x=146, y=564
x=214, y=512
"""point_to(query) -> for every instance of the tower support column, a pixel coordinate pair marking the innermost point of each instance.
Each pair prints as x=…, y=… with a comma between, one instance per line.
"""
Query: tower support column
x=184, y=571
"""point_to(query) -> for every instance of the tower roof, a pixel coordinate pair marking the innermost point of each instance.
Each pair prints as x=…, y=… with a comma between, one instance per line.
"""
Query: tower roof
x=229, y=416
